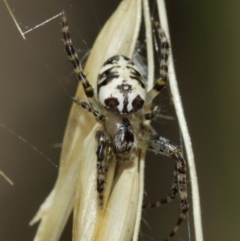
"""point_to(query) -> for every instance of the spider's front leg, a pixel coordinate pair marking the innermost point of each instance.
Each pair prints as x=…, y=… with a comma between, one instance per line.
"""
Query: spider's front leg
x=163, y=146
x=104, y=156
x=173, y=193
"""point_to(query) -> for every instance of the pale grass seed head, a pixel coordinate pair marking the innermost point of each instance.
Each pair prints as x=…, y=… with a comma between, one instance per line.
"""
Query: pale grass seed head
x=76, y=183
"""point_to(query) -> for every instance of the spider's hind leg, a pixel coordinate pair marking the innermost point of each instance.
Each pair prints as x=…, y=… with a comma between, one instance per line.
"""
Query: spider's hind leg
x=72, y=55
x=163, y=146
x=161, y=81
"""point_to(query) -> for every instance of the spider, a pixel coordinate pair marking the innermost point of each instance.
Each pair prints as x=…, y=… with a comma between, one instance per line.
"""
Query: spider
x=120, y=109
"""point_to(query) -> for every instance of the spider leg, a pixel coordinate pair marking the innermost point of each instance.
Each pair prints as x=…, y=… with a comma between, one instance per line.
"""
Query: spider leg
x=161, y=82
x=174, y=189
x=152, y=114
x=97, y=113
x=72, y=55
x=104, y=156
x=163, y=146
x=168, y=198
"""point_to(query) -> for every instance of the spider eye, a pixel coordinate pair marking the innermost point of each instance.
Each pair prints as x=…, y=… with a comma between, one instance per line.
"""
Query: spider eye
x=111, y=103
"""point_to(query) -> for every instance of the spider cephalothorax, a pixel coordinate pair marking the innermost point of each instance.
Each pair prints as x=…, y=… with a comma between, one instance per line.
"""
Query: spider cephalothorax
x=120, y=109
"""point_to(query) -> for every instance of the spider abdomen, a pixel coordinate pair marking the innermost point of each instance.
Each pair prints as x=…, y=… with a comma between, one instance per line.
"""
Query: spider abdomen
x=120, y=87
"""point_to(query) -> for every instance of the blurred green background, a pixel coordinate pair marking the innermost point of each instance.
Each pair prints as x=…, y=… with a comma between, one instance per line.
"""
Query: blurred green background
x=33, y=103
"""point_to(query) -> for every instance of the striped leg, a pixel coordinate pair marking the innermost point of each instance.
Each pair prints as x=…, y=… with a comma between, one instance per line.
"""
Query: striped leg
x=104, y=156
x=152, y=114
x=169, y=198
x=165, y=147
x=161, y=82
x=99, y=117
x=72, y=55
x=156, y=113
